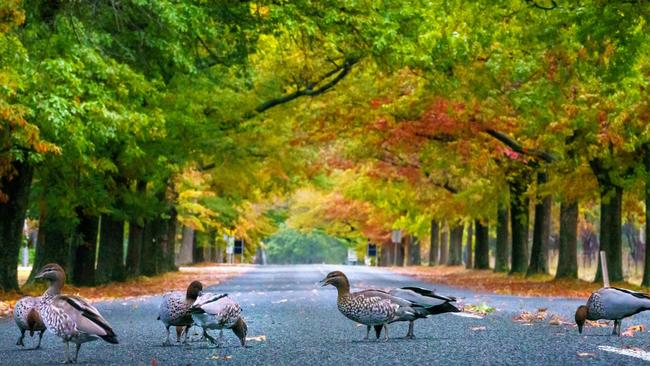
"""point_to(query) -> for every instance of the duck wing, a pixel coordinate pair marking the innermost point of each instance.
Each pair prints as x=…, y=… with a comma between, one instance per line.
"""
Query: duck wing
x=428, y=293
x=639, y=295
x=427, y=303
x=87, y=317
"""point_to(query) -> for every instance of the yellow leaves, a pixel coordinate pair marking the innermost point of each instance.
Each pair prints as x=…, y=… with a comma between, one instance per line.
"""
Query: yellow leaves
x=629, y=331
x=11, y=15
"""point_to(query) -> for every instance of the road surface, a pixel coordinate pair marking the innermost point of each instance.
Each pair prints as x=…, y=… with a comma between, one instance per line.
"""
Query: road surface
x=293, y=321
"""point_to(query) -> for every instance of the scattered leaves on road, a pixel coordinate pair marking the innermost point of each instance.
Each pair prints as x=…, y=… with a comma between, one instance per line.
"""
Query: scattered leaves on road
x=259, y=338
x=597, y=324
x=482, y=309
x=527, y=317
x=5, y=309
x=502, y=283
x=629, y=331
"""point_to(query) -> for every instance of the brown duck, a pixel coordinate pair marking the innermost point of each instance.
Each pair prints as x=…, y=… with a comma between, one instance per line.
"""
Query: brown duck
x=379, y=308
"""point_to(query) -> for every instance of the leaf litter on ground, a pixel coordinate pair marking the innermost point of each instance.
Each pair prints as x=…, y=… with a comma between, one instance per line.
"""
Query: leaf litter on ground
x=629, y=331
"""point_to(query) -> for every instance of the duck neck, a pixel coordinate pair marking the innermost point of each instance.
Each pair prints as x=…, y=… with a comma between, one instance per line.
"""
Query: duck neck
x=54, y=289
x=343, y=289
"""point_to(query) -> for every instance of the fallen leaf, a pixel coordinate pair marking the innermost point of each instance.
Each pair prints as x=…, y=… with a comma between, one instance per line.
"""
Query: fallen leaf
x=260, y=338
x=528, y=317
x=597, y=324
x=557, y=320
x=481, y=309
x=629, y=331
x=586, y=354
x=476, y=329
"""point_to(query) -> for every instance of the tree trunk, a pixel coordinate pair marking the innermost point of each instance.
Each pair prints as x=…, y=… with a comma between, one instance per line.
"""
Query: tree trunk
x=148, y=259
x=567, y=266
x=469, y=259
x=541, y=233
x=444, y=246
x=185, y=254
x=646, y=262
x=610, y=233
x=197, y=251
x=136, y=235
x=455, y=245
x=84, y=249
x=407, y=250
x=434, y=247
x=54, y=238
x=12, y=218
x=415, y=251
x=502, y=256
x=519, y=221
x=110, y=262
x=482, y=250
x=134, y=251
x=170, y=250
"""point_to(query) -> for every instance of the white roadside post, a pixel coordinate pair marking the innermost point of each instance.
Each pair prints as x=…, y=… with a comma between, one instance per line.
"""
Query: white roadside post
x=603, y=264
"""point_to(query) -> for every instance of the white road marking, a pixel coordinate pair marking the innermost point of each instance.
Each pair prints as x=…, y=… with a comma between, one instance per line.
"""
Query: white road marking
x=627, y=352
x=467, y=315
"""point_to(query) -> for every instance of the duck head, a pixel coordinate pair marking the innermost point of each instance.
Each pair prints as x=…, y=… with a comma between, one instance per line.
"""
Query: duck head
x=336, y=279
x=581, y=316
x=194, y=290
x=51, y=272
x=240, y=329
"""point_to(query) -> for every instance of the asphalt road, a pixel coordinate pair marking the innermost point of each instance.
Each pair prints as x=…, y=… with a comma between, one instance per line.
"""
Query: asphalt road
x=293, y=321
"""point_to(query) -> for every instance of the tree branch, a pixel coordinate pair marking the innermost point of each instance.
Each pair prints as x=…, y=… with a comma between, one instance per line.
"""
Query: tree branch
x=514, y=145
x=310, y=90
x=536, y=5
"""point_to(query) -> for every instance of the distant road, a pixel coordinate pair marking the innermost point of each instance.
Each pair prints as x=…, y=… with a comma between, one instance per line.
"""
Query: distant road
x=292, y=321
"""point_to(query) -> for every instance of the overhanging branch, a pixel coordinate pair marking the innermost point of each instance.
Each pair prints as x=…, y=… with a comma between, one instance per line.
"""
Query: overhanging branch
x=310, y=90
x=517, y=147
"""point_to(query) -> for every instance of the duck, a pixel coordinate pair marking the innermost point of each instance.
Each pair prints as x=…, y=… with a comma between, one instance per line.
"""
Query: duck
x=27, y=318
x=612, y=303
x=368, y=307
x=71, y=318
x=423, y=302
x=174, y=310
x=219, y=311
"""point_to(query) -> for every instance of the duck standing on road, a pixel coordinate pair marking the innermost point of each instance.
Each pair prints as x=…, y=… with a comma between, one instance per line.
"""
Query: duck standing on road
x=174, y=310
x=219, y=311
x=379, y=308
x=27, y=318
x=423, y=302
x=612, y=303
x=70, y=317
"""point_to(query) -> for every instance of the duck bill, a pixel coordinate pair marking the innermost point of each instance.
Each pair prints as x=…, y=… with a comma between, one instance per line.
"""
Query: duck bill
x=323, y=282
x=580, y=328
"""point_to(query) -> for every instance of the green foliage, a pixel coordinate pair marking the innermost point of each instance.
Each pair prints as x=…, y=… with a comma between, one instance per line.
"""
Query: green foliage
x=295, y=247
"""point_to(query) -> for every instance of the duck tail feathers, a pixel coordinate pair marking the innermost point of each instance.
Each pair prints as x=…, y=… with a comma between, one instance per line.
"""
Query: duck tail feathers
x=110, y=338
x=443, y=308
